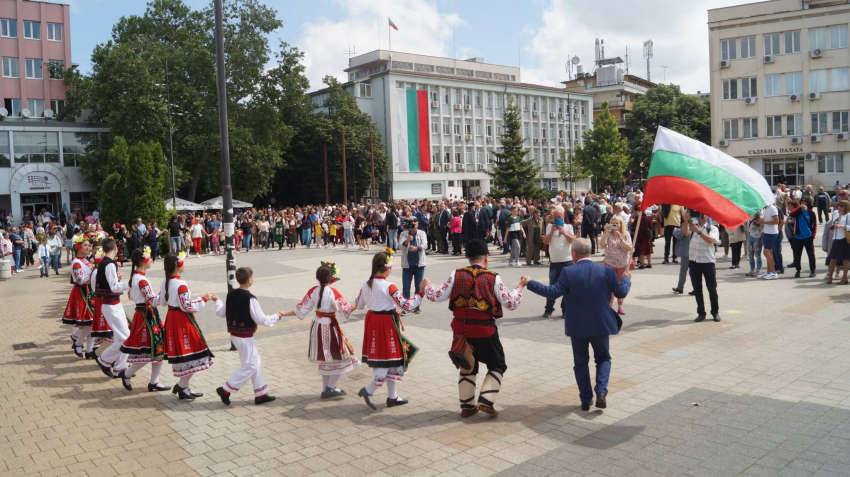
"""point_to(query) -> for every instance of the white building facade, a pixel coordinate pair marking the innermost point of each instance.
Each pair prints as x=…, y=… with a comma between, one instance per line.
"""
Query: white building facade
x=466, y=104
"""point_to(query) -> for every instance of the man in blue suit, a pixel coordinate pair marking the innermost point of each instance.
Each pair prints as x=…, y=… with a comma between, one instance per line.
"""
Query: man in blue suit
x=589, y=318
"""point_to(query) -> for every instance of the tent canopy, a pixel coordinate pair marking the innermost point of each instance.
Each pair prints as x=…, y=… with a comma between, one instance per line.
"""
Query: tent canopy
x=218, y=202
x=182, y=204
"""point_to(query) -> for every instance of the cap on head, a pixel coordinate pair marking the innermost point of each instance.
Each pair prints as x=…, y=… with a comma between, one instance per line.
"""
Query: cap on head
x=476, y=248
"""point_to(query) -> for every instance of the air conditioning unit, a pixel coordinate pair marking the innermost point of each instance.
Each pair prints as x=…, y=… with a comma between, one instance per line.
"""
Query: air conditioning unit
x=545, y=141
x=813, y=96
x=725, y=63
x=575, y=115
x=480, y=167
x=489, y=138
x=435, y=104
x=723, y=143
x=816, y=53
x=750, y=100
x=769, y=58
x=814, y=138
x=810, y=156
x=552, y=114
x=467, y=107
x=458, y=106
x=435, y=168
x=468, y=137
x=460, y=167
x=795, y=97
x=796, y=140
x=448, y=167
x=841, y=136
x=536, y=141
x=458, y=137
x=560, y=115
x=561, y=141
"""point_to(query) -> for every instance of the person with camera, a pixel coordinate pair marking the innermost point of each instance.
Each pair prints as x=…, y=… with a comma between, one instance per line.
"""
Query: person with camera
x=413, y=244
x=476, y=296
x=559, y=236
x=703, y=238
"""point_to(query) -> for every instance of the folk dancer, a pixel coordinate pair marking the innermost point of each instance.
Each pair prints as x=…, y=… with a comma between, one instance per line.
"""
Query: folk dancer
x=243, y=313
x=146, y=343
x=100, y=330
x=385, y=349
x=329, y=348
x=109, y=287
x=476, y=296
x=185, y=346
x=78, y=311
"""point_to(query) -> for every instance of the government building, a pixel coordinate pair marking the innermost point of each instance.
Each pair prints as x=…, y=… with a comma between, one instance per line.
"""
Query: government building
x=780, y=88
x=441, y=120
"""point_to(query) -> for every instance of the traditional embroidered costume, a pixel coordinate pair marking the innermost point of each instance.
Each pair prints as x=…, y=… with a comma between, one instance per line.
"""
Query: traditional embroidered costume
x=329, y=348
x=79, y=311
x=185, y=347
x=476, y=296
x=100, y=329
x=109, y=289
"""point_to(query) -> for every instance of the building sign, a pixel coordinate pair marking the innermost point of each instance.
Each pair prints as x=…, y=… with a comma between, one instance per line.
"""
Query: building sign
x=781, y=150
x=39, y=182
x=34, y=199
x=437, y=188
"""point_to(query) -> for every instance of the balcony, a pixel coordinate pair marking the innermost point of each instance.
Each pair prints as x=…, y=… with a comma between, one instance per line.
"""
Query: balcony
x=617, y=104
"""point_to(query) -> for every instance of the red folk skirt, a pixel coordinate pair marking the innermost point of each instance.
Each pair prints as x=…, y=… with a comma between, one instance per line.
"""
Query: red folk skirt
x=383, y=344
x=145, y=328
x=100, y=327
x=185, y=346
x=78, y=311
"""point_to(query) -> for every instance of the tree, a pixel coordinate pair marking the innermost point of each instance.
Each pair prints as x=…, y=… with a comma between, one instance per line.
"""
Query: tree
x=134, y=177
x=605, y=152
x=114, y=193
x=571, y=173
x=513, y=175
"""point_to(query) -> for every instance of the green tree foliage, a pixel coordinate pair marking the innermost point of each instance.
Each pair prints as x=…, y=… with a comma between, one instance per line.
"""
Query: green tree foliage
x=133, y=181
x=605, y=152
x=513, y=175
x=571, y=174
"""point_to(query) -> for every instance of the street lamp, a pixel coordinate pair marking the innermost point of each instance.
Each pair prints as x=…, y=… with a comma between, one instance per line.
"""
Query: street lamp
x=170, y=140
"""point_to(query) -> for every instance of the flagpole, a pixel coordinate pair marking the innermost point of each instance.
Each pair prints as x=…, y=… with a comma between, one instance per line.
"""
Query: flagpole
x=390, y=35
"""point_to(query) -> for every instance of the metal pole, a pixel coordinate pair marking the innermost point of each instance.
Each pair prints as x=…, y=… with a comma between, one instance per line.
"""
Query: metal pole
x=327, y=194
x=344, y=176
x=170, y=142
x=226, y=189
x=372, y=158
x=570, y=136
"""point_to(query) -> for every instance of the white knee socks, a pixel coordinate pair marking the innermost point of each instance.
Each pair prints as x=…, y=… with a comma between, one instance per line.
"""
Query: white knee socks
x=392, y=389
x=184, y=382
x=155, y=369
x=332, y=380
x=89, y=343
x=325, y=380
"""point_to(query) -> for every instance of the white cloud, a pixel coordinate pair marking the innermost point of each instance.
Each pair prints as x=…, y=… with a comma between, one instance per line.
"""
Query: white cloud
x=422, y=29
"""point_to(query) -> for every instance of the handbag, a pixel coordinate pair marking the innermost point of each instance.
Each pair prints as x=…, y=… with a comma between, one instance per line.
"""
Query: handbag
x=632, y=265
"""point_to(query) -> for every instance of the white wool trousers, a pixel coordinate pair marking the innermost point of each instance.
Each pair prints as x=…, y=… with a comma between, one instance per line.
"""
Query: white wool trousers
x=117, y=320
x=249, y=369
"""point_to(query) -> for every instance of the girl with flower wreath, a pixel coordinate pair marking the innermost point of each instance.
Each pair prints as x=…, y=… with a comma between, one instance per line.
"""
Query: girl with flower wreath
x=329, y=348
x=385, y=349
x=100, y=329
x=79, y=311
x=146, y=343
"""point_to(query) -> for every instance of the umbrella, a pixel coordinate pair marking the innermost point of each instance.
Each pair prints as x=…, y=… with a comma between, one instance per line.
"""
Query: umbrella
x=218, y=202
x=182, y=204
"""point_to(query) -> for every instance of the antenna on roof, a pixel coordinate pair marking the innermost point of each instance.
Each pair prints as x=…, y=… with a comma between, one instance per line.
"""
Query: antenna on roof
x=350, y=51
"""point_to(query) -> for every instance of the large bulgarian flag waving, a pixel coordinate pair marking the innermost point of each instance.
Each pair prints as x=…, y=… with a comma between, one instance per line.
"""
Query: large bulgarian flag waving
x=413, y=136
x=689, y=173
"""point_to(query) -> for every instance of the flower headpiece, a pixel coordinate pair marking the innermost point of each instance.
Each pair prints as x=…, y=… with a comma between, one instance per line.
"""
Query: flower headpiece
x=334, y=269
x=146, y=254
x=78, y=242
x=181, y=258
x=390, y=253
x=98, y=256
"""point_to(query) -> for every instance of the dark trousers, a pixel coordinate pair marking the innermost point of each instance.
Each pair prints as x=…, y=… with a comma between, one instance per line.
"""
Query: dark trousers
x=589, y=233
x=823, y=212
x=668, y=238
x=736, y=252
x=506, y=244
x=698, y=271
x=581, y=359
x=798, y=246
x=777, y=254
x=456, y=243
x=444, y=239
x=488, y=351
x=414, y=274
x=555, y=269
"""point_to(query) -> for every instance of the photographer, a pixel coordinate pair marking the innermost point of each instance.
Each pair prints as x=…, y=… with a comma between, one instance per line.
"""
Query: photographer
x=559, y=237
x=703, y=238
x=413, y=243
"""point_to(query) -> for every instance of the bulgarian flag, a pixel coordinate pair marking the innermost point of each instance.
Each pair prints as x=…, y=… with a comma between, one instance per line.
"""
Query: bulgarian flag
x=699, y=177
x=413, y=136
x=392, y=24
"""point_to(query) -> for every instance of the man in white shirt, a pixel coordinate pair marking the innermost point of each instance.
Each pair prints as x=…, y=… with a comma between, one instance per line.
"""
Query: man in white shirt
x=770, y=220
x=703, y=239
x=559, y=236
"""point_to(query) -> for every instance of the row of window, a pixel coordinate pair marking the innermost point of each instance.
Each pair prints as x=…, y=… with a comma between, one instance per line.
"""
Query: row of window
x=820, y=81
x=32, y=30
x=784, y=43
x=36, y=107
x=821, y=123
x=43, y=147
x=470, y=157
x=34, y=68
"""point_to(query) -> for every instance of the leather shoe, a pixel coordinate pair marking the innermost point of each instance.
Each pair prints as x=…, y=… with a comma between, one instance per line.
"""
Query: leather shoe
x=675, y=261
x=678, y=290
x=105, y=369
x=224, y=395
x=716, y=317
x=797, y=275
x=264, y=399
x=601, y=403
x=157, y=387
x=585, y=406
x=91, y=354
x=197, y=395
x=125, y=381
x=78, y=353
x=464, y=413
x=365, y=395
x=396, y=402
x=487, y=409
x=329, y=393
x=665, y=262
x=700, y=317
x=547, y=314
x=181, y=393
x=692, y=293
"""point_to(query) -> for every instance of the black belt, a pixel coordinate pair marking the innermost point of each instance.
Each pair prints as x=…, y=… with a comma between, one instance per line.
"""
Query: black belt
x=141, y=307
x=476, y=322
x=383, y=312
x=175, y=308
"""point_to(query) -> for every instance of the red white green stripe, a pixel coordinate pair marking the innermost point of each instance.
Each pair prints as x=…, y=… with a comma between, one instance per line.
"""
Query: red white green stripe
x=392, y=24
x=413, y=137
x=699, y=177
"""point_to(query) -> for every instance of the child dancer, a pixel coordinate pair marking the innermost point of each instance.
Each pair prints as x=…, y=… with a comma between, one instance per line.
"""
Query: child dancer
x=185, y=346
x=100, y=330
x=243, y=313
x=329, y=348
x=79, y=311
x=109, y=287
x=385, y=349
x=146, y=341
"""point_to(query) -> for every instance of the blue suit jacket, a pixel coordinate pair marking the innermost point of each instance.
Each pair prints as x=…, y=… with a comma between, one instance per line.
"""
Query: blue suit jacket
x=587, y=289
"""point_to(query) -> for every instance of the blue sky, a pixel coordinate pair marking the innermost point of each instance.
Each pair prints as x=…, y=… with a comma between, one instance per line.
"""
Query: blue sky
x=542, y=32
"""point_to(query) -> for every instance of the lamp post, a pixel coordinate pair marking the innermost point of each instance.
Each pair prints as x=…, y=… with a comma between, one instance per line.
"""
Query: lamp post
x=170, y=141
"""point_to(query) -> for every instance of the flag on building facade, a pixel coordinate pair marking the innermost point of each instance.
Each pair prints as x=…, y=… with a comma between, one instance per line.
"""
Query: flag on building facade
x=392, y=24
x=689, y=173
x=413, y=137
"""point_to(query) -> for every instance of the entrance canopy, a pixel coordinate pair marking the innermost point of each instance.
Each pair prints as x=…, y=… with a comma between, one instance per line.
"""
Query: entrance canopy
x=182, y=204
x=218, y=203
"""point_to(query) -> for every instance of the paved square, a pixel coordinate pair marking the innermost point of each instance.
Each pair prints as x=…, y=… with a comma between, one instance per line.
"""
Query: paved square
x=764, y=392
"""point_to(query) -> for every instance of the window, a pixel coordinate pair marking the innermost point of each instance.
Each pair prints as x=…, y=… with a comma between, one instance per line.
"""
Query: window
x=488, y=100
x=34, y=68
x=838, y=36
x=525, y=103
x=749, y=88
x=10, y=68
x=794, y=125
x=447, y=157
x=819, y=123
x=793, y=83
x=840, y=122
x=36, y=147
x=446, y=97
x=840, y=80
x=545, y=156
x=792, y=42
x=13, y=105
x=467, y=128
x=466, y=98
x=365, y=88
x=730, y=129
x=447, y=128
x=728, y=51
x=525, y=132
x=544, y=105
x=457, y=96
x=831, y=164
x=535, y=132
x=497, y=101
x=489, y=130
x=435, y=157
x=5, y=150
x=54, y=31
x=730, y=89
x=478, y=129
x=8, y=28
x=57, y=105
x=748, y=47
x=543, y=132
x=435, y=128
x=479, y=157
x=771, y=44
x=36, y=107
x=457, y=128
x=772, y=85
x=751, y=128
x=478, y=99
x=32, y=30
x=498, y=128
x=457, y=158
x=55, y=68
x=817, y=81
x=434, y=95
x=817, y=38
x=774, y=126
x=468, y=156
